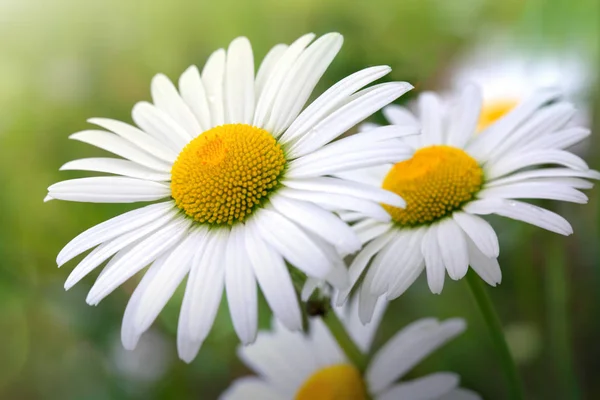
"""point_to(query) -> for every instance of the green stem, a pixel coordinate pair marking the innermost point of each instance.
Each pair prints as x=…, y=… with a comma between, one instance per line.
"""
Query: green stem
x=340, y=334
x=490, y=316
x=558, y=320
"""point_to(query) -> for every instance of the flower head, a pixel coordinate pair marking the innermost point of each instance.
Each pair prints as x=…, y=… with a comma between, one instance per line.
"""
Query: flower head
x=454, y=176
x=291, y=365
x=244, y=173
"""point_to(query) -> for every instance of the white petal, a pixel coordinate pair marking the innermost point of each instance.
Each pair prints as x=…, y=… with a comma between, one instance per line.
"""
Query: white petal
x=138, y=137
x=398, y=115
x=543, y=173
x=193, y=93
x=105, y=189
x=104, y=251
x=160, y=125
x=202, y=296
x=267, y=66
x=338, y=201
x=331, y=99
x=273, y=278
x=480, y=232
x=558, y=140
x=434, y=263
x=309, y=288
x=360, y=106
x=525, y=212
x=486, y=267
x=121, y=147
x=167, y=99
x=548, y=119
x=464, y=117
x=367, y=303
x=158, y=292
x=534, y=190
x=488, y=140
x=344, y=187
x=383, y=266
x=112, y=228
x=213, y=76
x=129, y=335
x=453, y=248
x=239, y=82
x=240, y=285
x=407, y=348
x=362, y=334
x=250, y=388
x=328, y=162
x=320, y=222
x=301, y=80
x=137, y=258
x=116, y=166
x=410, y=265
x=361, y=261
x=429, y=387
x=369, y=229
x=264, y=105
x=430, y=115
x=516, y=161
x=294, y=245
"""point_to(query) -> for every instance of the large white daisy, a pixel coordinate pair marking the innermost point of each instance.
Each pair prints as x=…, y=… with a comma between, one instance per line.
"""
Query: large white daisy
x=244, y=173
x=456, y=175
x=295, y=366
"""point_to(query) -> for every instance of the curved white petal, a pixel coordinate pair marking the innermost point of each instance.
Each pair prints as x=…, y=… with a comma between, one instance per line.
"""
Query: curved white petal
x=267, y=66
x=430, y=114
x=453, y=247
x=167, y=99
x=116, y=166
x=105, y=189
x=525, y=212
x=112, y=228
x=486, y=267
x=434, y=263
x=160, y=125
x=239, y=82
x=534, y=190
x=121, y=147
x=240, y=286
x=213, y=75
x=193, y=93
x=543, y=173
x=250, y=388
x=516, y=161
x=273, y=278
x=480, y=232
x=202, y=296
x=464, y=117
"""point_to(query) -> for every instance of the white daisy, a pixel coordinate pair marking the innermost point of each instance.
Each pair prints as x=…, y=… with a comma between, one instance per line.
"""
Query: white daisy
x=509, y=73
x=292, y=365
x=244, y=173
x=453, y=177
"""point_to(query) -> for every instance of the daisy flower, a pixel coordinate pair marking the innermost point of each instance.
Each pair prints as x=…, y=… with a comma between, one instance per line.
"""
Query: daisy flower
x=452, y=178
x=295, y=366
x=242, y=171
x=508, y=74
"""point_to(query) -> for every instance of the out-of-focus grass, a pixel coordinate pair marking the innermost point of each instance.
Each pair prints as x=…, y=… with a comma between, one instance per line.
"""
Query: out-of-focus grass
x=65, y=61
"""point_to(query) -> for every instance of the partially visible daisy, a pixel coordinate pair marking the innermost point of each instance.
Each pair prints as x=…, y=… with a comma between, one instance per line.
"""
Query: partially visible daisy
x=454, y=177
x=244, y=172
x=294, y=366
x=508, y=74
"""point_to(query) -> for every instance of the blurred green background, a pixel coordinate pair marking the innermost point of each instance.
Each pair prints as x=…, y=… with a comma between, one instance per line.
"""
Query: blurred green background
x=62, y=62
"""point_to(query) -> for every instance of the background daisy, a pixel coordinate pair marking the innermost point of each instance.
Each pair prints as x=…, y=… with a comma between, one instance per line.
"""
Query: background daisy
x=292, y=365
x=454, y=177
x=243, y=170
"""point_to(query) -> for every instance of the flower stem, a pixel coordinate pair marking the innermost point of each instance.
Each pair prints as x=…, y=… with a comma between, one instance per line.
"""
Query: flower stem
x=492, y=320
x=337, y=329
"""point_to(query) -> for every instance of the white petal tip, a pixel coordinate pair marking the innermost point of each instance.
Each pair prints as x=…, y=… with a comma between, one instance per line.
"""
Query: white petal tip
x=48, y=198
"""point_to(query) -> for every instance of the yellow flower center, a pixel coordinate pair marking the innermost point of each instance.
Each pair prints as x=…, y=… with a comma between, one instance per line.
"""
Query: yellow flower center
x=224, y=174
x=493, y=111
x=436, y=181
x=338, y=382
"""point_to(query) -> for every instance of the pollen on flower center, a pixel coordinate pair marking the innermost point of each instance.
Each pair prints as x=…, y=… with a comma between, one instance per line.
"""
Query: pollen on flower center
x=222, y=175
x=436, y=181
x=342, y=381
x=493, y=111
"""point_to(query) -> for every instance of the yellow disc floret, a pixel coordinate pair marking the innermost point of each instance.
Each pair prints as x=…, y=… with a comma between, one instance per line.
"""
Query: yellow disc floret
x=436, y=181
x=493, y=111
x=337, y=382
x=222, y=175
